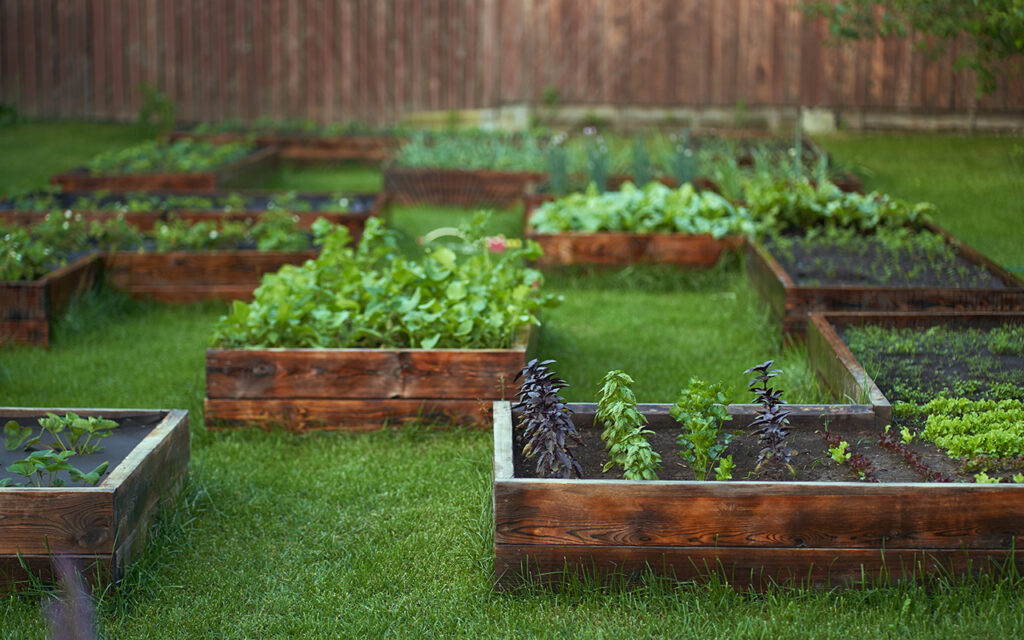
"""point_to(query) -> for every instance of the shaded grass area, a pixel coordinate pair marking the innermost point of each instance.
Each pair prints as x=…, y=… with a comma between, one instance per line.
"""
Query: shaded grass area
x=977, y=182
x=389, y=534
x=33, y=151
x=347, y=177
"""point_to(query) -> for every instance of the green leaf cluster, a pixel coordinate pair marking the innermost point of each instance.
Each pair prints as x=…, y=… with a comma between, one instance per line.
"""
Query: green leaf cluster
x=624, y=434
x=701, y=411
x=59, y=438
x=178, y=156
x=653, y=209
x=371, y=296
x=797, y=205
x=144, y=202
x=967, y=428
x=307, y=127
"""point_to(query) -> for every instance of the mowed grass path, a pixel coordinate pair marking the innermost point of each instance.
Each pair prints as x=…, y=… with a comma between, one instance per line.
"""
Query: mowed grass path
x=389, y=534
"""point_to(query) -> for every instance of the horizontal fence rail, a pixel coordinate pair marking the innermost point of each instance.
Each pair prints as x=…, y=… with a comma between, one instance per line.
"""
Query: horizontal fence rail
x=333, y=60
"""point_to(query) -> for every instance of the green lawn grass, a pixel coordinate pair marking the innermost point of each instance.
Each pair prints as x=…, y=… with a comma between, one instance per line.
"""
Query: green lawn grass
x=389, y=534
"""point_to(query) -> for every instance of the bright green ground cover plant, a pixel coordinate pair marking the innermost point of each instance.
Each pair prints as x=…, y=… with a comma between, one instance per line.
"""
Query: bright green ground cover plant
x=472, y=150
x=301, y=126
x=178, y=156
x=653, y=209
x=624, y=434
x=370, y=295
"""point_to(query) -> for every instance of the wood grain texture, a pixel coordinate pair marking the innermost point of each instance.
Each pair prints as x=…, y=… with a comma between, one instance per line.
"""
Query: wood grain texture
x=26, y=308
x=126, y=269
x=344, y=414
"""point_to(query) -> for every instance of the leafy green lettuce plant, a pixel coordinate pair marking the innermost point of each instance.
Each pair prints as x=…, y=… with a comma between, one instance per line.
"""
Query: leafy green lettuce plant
x=624, y=434
x=178, y=156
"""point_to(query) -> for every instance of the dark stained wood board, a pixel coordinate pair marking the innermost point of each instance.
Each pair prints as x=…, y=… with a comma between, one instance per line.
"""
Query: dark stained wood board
x=752, y=533
x=458, y=186
x=259, y=163
x=27, y=308
x=359, y=389
x=790, y=303
x=105, y=524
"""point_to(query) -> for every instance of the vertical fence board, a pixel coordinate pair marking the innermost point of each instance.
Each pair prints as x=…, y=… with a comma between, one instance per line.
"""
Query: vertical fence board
x=376, y=59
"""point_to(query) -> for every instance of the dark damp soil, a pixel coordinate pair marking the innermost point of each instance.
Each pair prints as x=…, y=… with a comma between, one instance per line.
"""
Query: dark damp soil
x=810, y=459
x=105, y=200
x=868, y=261
x=125, y=437
x=918, y=364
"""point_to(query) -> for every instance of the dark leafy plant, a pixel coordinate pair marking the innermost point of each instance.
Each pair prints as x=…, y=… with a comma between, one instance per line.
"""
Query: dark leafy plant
x=701, y=411
x=546, y=421
x=770, y=425
x=624, y=434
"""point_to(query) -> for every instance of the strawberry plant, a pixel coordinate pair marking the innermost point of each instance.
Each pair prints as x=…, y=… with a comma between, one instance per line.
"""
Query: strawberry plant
x=624, y=434
x=59, y=438
x=546, y=421
x=701, y=411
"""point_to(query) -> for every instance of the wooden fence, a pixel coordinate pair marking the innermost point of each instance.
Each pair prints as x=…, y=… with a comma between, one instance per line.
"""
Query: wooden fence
x=334, y=60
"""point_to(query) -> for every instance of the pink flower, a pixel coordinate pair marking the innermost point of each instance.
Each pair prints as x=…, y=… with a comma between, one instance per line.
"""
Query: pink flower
x=535, y=284
x=496, y=244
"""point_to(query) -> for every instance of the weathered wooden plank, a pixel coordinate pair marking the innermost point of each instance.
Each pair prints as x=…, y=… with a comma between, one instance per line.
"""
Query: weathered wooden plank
x=344, y=414
x=128, y=269
x=840, y=371
x=41, y=521
x=745, y=568
x=18, y=571
x=303, y=373
x=460, y=373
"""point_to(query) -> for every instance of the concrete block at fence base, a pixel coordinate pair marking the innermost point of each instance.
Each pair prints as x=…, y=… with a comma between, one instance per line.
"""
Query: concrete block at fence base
x=816, y=121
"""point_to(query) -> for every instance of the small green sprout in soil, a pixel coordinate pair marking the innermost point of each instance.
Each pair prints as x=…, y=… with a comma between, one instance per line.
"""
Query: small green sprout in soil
x=546, y=421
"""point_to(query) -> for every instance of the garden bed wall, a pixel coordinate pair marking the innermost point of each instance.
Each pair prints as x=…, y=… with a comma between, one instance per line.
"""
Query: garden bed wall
x=790, y=303
x=359, y=389
x=27, y=309
x=250, y=169
x=458, y=187
x=620, y=248
x=102, y=529
x=190, y=276
x=752, y=534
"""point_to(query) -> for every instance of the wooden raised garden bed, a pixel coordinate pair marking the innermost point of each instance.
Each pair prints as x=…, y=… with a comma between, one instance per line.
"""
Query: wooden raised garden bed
x=790, y=303
x=362, y=207
x=621, y=248
x=359, y=389
x=299, y=147
x=27, y=308
x=101, y=528
x=751, y=534
x=259, y=163
x=844, y=375
x=458, y=187
x=189, y=276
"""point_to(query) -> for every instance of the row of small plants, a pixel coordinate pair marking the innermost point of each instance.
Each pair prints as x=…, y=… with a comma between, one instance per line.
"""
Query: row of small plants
x=458, y=295
x=654, y=208
x=143, y=202
x=29, y=252
x=546, y=429
x=305, y=127
x=52, y=448
x=958, y=388
x=178, y=156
